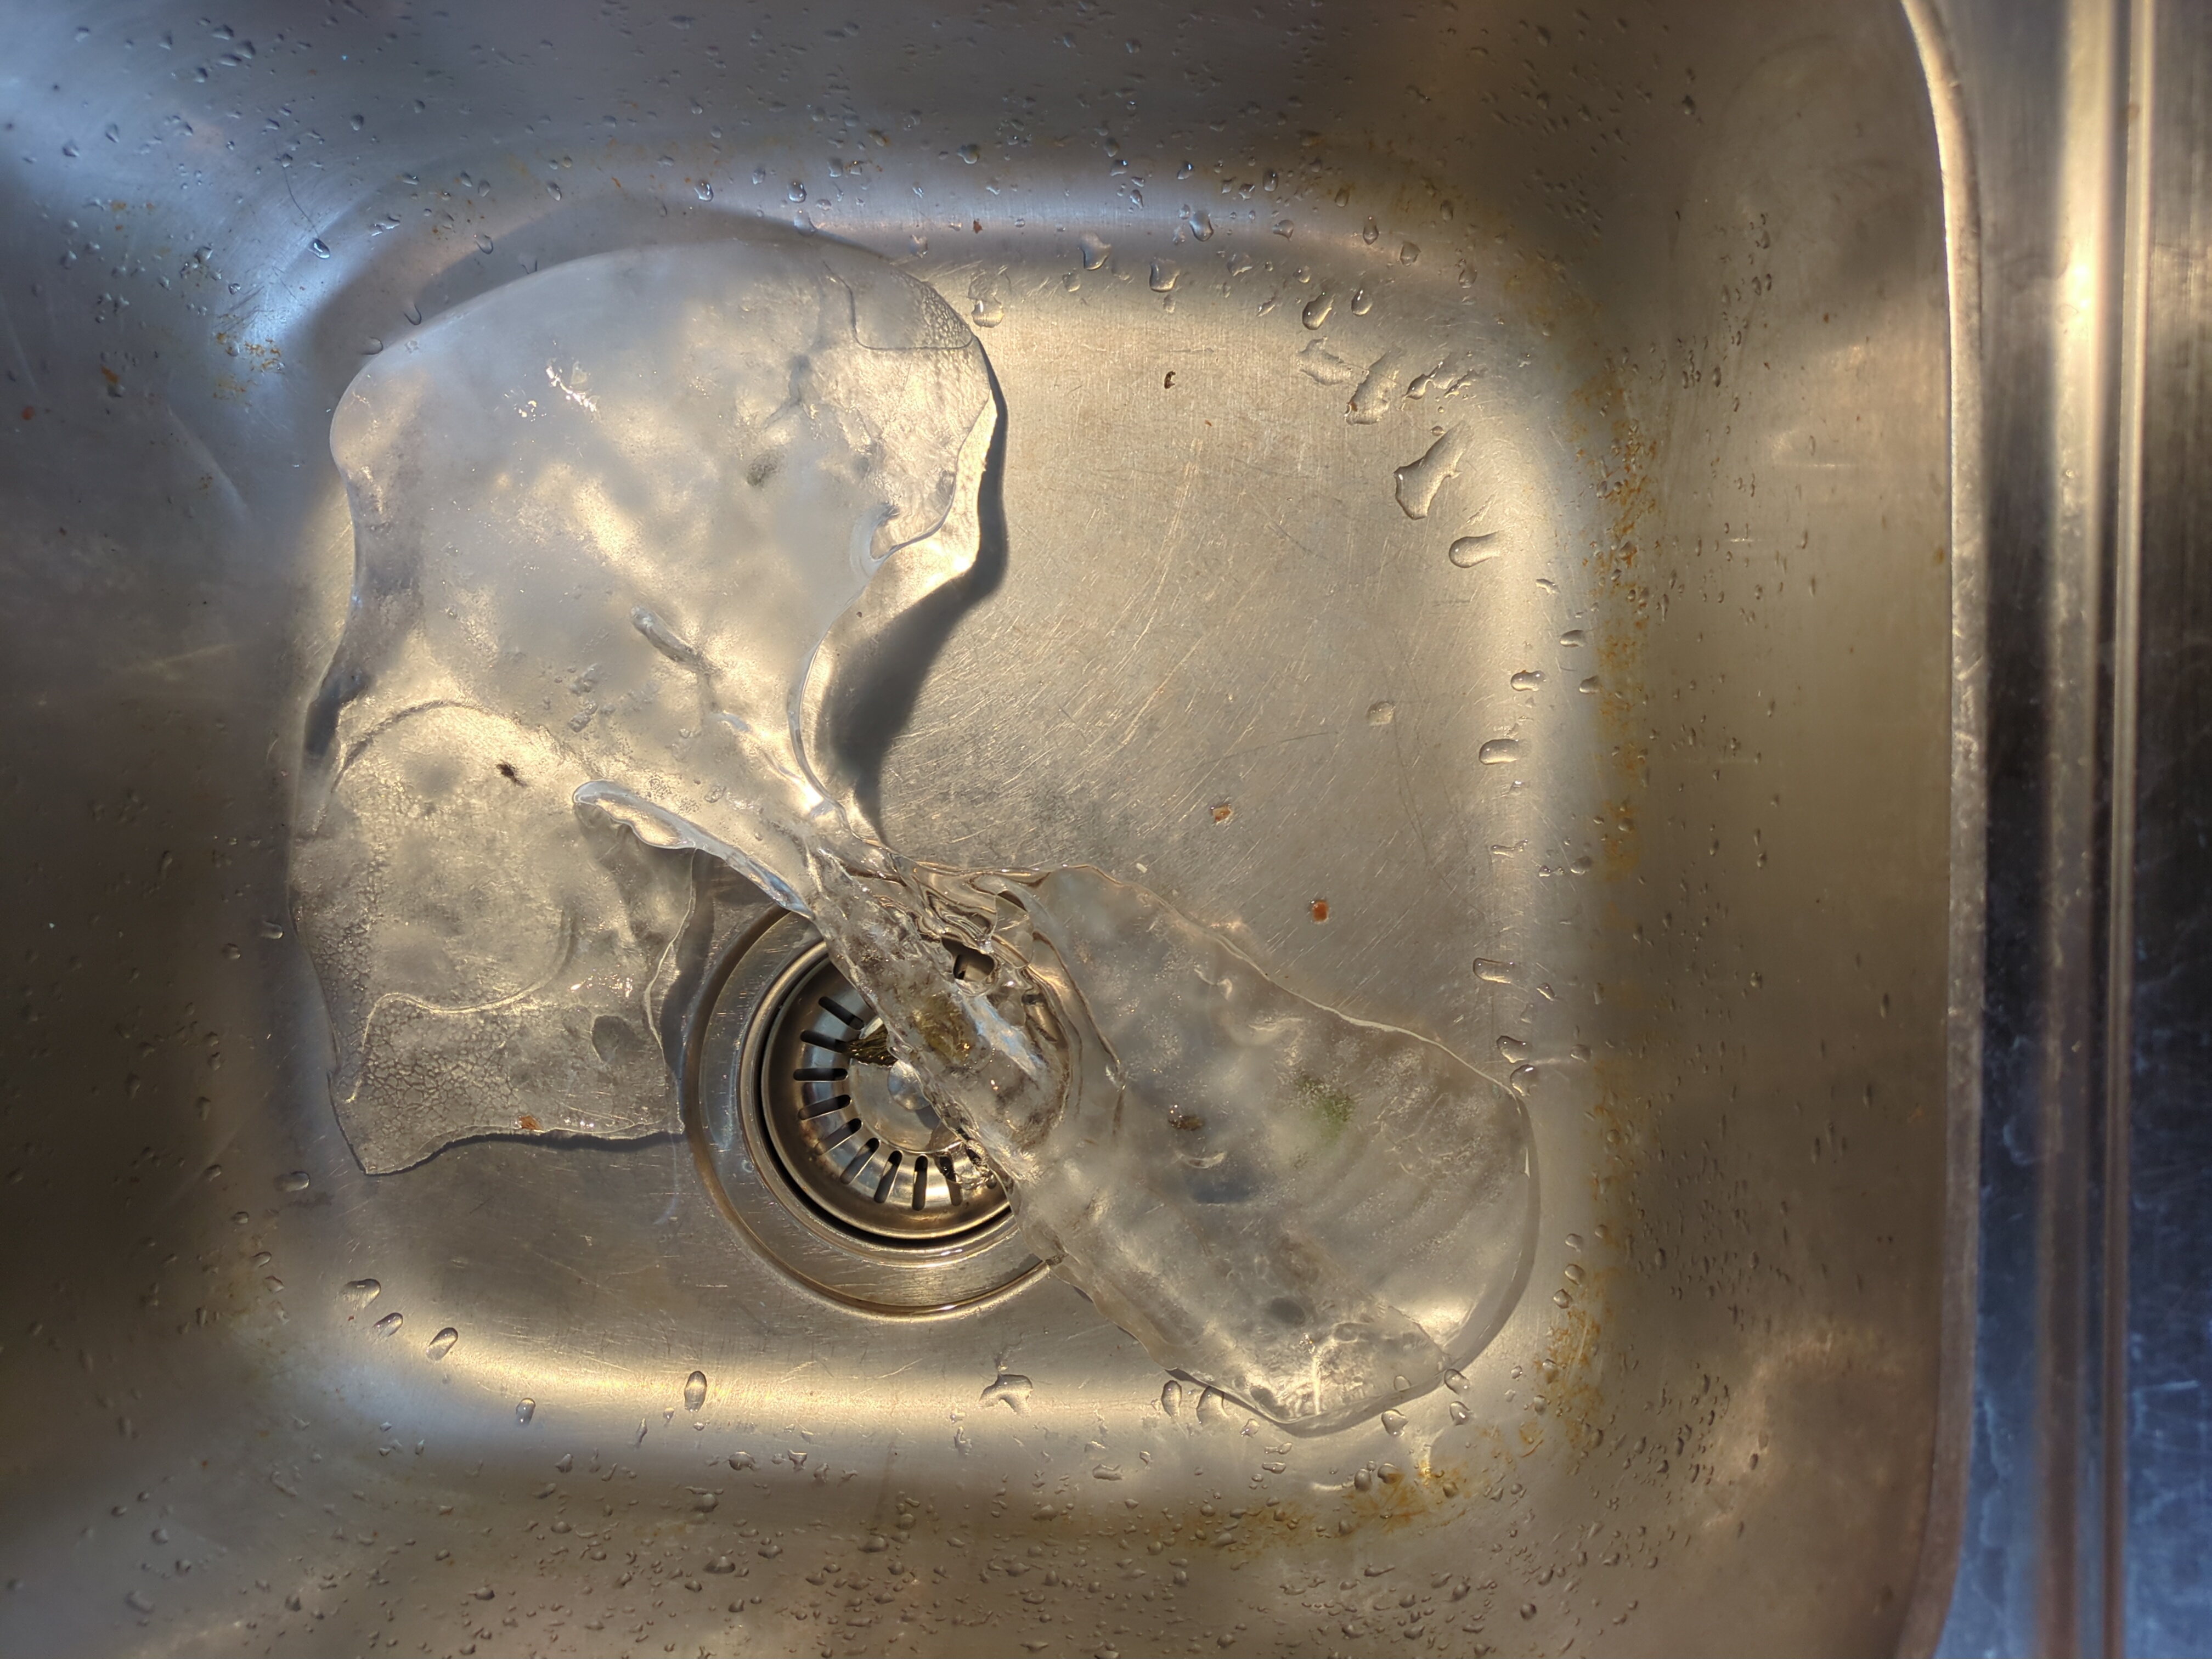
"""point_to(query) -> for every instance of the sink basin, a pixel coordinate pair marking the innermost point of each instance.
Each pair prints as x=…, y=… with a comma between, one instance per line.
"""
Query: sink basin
x=1473, y=525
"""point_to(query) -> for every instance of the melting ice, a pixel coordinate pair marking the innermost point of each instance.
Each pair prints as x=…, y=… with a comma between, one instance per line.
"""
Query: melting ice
x=627, y=532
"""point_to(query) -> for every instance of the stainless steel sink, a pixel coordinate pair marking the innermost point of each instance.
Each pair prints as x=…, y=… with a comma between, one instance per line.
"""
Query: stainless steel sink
x=1478, y=521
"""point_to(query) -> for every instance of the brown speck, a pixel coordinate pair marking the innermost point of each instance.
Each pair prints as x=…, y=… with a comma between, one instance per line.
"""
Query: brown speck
x=1168, y=383
x=527, y=1124
x=979, y=226
x=112, y=377
x=28, y=411
x=1321, y=909
x=1222, y=811
x=507, y=770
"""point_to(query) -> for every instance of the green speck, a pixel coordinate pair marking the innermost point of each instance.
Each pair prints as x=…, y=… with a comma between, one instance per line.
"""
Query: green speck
x=1331, y=1104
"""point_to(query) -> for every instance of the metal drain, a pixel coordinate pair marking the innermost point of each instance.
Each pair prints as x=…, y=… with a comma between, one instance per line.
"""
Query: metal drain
x=849, y=1127
x=818, y=1147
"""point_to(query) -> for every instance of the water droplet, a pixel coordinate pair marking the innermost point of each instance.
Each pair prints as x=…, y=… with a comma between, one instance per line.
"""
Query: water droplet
x=1458, y=1411
x=1214, y=1406
x=371, y=346
x=553, y=189
x=1526, y=680
x=1417, y=481
x=795, y=192
x=1499, y=750
x=139, y=1602
x=389, y=1323
x=1562, y=1299
x=68, y=148
x=1394, y=1422
x=1324, y=365
x=1201, y=226
x=1316, y=310
x=525, y=1409
x=413, y=314
x=1285, y=228
x=483, y=243
x=483, y=1592
x=1512, y=1050
x=1013, y=1390
x=1573, y=636
x=1095, y=249
x=442, y=1343
x=1368, y=232
x=1527, y=1609
x=917, y=245
x=1410, y=253
x=319, y=248
x=1362, y=302
x=362, y=1292
x=1456, y=1381
x=1171, y=1396
x=703, y=191
x=295, y=1180
x=970, y=154
x=1164, y=272
x=1382, y=713
x=694, y=1391
x=1591, y=686
x=1495, y=972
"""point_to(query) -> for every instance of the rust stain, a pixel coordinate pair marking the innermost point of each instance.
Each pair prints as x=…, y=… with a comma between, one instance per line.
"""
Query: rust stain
x=527, y=1124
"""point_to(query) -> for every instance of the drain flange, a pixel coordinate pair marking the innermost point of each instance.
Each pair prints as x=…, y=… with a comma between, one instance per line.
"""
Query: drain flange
x=823, y=1149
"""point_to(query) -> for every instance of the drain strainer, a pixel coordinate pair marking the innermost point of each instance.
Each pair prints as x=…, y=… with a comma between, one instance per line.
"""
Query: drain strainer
x=822, y=1148
x=848, y=1126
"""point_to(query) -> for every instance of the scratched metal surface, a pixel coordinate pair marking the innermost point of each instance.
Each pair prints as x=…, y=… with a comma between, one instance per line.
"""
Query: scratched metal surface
x=1666, y=742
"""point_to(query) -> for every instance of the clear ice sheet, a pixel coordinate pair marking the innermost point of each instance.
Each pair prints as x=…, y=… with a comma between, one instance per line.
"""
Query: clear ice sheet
x=625, y=529
x=578, y=506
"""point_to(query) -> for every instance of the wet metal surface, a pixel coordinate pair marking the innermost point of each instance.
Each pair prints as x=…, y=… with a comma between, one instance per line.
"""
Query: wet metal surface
x=1474, y=525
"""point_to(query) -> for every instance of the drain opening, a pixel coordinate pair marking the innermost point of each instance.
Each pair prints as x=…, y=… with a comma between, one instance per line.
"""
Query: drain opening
x=849, y=1127
x=820, y=1148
